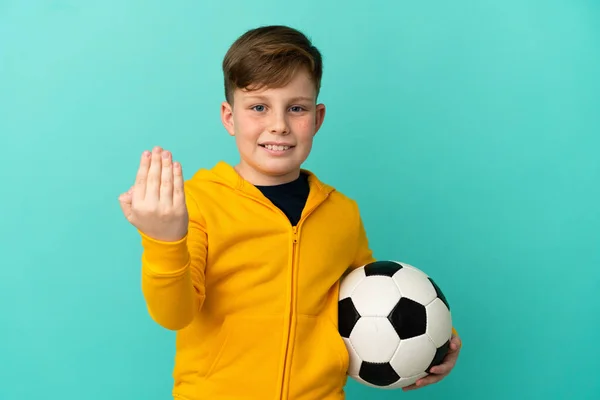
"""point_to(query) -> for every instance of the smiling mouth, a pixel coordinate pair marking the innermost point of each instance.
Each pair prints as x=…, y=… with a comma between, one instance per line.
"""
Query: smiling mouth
x=273, y=147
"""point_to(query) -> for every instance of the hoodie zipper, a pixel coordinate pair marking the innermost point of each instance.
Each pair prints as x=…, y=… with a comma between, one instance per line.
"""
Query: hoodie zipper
x=288, y=334
x=284, y=383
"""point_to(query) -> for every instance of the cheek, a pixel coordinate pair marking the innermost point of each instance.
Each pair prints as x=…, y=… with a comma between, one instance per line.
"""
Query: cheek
x=304, y=127
x=247, y=129
x=243, y=135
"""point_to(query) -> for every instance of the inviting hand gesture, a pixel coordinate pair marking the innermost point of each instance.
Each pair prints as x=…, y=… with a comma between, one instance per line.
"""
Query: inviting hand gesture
x=155, y=204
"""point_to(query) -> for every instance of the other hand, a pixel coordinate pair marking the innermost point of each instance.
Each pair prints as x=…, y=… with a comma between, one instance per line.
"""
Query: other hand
x=441, y=371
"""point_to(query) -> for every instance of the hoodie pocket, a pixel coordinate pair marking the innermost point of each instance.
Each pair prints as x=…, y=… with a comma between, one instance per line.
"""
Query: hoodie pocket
x=319, y=361
x=218, y=346
x=246, y=356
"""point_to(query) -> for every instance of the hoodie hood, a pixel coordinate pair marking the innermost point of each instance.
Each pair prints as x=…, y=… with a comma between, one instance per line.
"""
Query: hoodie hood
x=225, y=174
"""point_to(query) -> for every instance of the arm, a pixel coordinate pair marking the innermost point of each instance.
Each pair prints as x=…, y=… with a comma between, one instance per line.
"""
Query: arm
x=173, y=273
x=173, y=239
x=363, y=253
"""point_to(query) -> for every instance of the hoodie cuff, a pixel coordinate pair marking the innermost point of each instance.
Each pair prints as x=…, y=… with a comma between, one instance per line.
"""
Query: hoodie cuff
x=163, y=257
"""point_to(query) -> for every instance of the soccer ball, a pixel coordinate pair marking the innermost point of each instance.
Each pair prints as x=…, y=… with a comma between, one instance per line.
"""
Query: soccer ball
x=395, y=322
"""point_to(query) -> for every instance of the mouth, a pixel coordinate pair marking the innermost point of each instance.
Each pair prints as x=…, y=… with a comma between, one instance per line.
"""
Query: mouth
x=276, y=147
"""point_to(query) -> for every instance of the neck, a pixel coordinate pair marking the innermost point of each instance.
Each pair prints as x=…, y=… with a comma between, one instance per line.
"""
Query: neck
x=258, y=179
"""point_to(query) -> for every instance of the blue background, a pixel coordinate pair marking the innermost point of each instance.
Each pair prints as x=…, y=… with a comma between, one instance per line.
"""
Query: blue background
x=469, y=132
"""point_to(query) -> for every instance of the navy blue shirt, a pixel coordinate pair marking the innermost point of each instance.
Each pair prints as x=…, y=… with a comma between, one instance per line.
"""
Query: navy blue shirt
x=289, y=197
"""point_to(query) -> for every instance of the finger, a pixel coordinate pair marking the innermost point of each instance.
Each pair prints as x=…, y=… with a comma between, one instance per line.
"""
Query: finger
x=444, y=368
x=455, y=343
x=421, y=383
x=125, y=196
x=429, y=380
x=178, y=186
x=166, y=179
x=447, y=364
x=125, y=202
x=142, y=177
x=154, y=172
x=414, y=386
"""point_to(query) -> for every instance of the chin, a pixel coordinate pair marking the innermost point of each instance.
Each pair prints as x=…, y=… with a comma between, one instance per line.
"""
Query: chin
x=277, y=172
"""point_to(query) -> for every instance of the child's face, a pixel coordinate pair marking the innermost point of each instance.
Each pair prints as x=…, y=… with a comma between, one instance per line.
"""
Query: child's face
x=274, y=129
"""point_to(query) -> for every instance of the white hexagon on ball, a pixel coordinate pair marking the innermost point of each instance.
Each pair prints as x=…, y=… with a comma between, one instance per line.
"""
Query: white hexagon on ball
x=413, y=356
x=374, y=339
x=439, y=322
x=381, y=305
x=350, y=282
x=415, y=285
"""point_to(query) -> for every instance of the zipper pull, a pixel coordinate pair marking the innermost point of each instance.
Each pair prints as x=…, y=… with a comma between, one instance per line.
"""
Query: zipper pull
x=295, y=231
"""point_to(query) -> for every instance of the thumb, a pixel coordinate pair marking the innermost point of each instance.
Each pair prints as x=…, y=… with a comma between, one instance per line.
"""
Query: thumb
x=125, y=201
x=455, y=344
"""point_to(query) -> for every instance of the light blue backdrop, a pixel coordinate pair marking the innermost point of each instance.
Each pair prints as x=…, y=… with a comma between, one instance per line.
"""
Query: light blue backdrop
x=469, y=132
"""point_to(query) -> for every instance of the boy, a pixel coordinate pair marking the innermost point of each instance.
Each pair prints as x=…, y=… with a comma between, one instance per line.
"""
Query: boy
x=244, y=261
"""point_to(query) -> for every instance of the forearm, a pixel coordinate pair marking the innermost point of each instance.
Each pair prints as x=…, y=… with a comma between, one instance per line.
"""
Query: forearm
x=172, y=289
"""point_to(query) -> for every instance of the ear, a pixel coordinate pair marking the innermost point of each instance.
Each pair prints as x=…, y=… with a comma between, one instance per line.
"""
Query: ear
x=227, y=117
x=319, y=117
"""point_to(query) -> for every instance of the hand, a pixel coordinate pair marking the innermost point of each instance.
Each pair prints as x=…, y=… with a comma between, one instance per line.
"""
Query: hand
x=155, y=204
x=441, y=371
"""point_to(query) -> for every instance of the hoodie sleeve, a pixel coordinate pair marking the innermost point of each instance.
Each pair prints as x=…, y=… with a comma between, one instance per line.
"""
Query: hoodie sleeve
x=363, y=253
x=173, y=273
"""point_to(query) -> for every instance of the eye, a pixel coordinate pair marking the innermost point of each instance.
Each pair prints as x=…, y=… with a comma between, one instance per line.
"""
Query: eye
x=259, y=108
x=297, y=108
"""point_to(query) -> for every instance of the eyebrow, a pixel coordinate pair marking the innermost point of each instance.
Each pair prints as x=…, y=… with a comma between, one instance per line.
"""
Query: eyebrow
x=293, y=99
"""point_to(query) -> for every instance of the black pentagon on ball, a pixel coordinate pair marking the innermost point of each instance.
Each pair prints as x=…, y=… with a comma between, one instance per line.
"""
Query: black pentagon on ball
x=408, y=318
x=378, y=374
x=439, y=356
x=347, y=317
x=439, y=293
x=382, y=268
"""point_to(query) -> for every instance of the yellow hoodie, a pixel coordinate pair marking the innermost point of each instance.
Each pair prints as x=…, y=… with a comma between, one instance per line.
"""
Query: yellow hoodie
x=253, y=299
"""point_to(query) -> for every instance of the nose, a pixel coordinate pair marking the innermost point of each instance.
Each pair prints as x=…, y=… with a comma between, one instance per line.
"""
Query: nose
x=279, y=124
